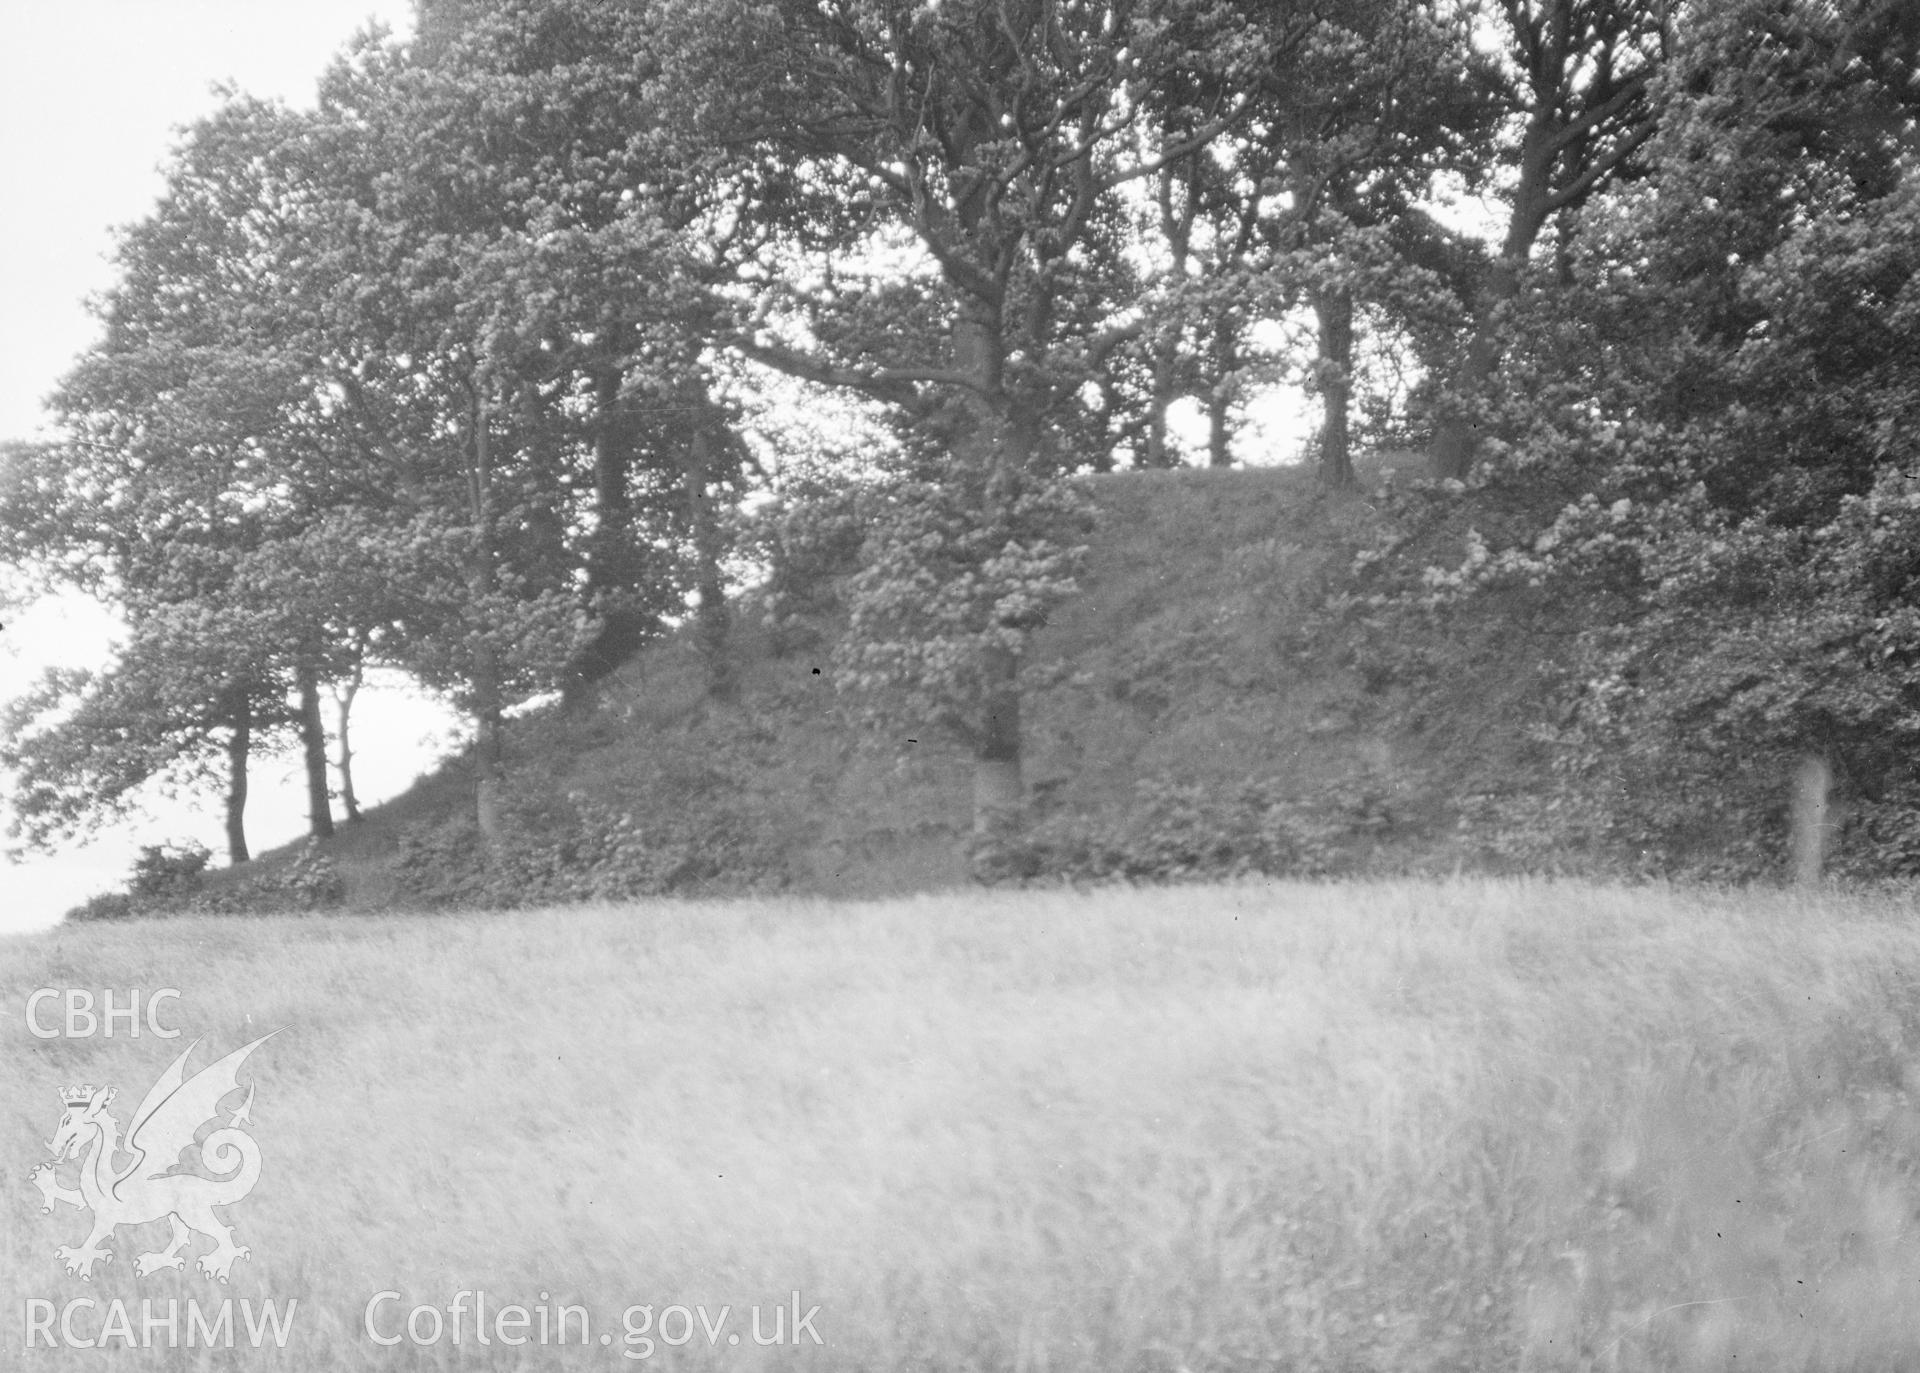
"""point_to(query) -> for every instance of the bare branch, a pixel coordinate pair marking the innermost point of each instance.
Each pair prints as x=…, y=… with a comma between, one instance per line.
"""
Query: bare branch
x=894, y=385
x=1602, y=166
x=1616, y=104
x=1186, y=147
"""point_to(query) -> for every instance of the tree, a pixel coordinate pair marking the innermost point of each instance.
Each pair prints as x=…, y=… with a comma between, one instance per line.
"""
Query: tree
x=1391, y=108
x=414, y=376
x=1716, y=416
x=144, y=506
x=553, y=265
x=198, y=443
x=610, y=243
x=181, y=706
x=1313, y=202
x=443, y=380
x=989, y=137
x=1577, y=80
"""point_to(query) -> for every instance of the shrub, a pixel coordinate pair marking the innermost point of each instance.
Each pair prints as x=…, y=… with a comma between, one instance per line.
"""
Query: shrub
x=309, y=882
x=808, y=536
x=574, y=848
x=169, y=871
x=112, y=905
x=957, y=572
x=170, y=879
x=1183, y=832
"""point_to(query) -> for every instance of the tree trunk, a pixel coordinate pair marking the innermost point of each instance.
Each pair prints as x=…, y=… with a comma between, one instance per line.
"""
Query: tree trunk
x=239, y=741
x=710, y=616
x=613, y=555
x=343, y=764
x=313, y=749
x=1159, y=454
x=1334, y=311
x=1002, y=446
x=1226, y=358
x=999, y=792
x=1456, y=437
x=1163, y=359
x=488, y=781
x=487, y=770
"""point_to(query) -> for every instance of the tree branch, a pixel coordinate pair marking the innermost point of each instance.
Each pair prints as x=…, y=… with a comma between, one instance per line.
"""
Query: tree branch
x=1615, y=104
x=894, y=385
x=1603, y=166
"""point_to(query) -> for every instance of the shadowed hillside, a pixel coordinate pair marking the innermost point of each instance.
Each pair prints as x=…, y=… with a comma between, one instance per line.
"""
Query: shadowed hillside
x=1191, y=712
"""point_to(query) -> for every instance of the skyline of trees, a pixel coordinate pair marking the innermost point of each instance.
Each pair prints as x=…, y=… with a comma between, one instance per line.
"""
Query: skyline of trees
x=446, y=374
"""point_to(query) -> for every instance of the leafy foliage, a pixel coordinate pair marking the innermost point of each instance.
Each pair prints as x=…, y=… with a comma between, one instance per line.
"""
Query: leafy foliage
x=173, y=879
x=1703, y=456
x=1181, y=832
x=168, y=870
x=938, y=584
x=565, y=850
x=442, y=375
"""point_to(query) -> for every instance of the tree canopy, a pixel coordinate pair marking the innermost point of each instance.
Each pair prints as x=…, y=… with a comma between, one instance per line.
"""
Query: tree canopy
x=449, y=373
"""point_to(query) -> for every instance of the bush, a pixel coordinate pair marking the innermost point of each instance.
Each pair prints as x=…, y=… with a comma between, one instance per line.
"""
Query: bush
x=561, y=850
x=808, y=536
x=170, y=879
x=1183, y=832
x=310, y=882
x=112, y=905
x=165, y=872
x=956, y=576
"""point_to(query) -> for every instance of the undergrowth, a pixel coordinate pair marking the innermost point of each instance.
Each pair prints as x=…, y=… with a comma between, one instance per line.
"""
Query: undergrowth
x=1183, y=832
x=1257, y=677
x=570, y=849
x=172, y=879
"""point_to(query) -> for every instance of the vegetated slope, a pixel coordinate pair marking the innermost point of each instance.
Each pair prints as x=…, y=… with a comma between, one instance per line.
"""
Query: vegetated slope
x=1191, y=711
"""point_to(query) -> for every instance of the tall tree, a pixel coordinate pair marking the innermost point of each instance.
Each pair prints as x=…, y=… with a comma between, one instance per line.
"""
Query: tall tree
x=537, y=357
x=595, y=251
x=1358, y=111
x=180, y=708
x=147, y=506
x=209, y=433
x=1716, y=415
x=1389, y=107
x=992, y=135
x=1576, y=81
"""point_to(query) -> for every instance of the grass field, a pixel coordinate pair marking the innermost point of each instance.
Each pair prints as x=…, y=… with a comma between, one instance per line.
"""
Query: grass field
x=1395, y=1126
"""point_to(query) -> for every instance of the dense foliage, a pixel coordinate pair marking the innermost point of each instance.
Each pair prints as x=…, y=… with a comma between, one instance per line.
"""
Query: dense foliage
x=1702, y=450
x=463, y=371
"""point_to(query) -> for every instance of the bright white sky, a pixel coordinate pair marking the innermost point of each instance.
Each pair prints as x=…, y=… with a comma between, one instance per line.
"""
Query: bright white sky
x=91, y=92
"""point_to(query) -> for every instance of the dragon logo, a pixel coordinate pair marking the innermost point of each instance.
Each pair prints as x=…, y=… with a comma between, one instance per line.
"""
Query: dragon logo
x=152, y=1185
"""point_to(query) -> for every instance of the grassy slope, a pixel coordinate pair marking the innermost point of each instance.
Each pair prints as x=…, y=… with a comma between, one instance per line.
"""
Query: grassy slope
x=1181, y=660
x=1393, y=1126
x=1187, y=658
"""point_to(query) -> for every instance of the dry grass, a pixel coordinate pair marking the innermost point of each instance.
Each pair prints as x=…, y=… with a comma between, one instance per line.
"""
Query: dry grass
x=1392, y=1126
